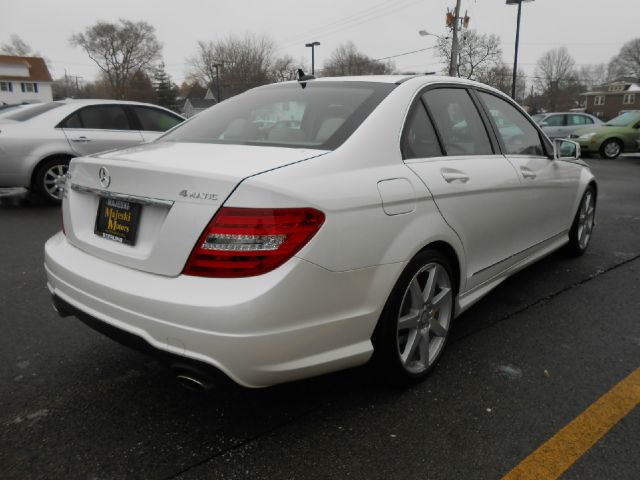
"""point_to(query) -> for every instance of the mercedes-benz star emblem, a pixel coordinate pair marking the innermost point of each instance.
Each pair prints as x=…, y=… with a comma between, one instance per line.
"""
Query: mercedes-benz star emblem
x=105, y=178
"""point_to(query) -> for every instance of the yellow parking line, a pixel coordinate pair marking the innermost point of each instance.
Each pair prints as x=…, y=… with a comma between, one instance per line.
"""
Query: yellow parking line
x=562, y=450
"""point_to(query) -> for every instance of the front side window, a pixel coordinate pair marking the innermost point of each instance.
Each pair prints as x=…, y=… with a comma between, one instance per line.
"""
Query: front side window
x=154, y=120
x=104, y=117
x=458, y=122
x=518, y=135
x=554, y=121
x=419, y=139
x=314, y=114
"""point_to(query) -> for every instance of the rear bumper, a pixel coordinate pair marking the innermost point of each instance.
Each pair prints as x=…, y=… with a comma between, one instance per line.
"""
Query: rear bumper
x=298, y=321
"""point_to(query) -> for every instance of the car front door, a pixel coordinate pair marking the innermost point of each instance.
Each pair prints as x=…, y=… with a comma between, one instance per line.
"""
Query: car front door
x=97, y=128
x=548, y=188
x=471, y=183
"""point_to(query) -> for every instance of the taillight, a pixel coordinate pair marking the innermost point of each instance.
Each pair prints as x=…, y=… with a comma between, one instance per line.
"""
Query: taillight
x=243, y=242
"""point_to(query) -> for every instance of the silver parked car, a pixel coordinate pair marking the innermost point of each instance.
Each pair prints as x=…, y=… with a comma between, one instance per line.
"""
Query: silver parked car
x=37, y=142
x=563, y=124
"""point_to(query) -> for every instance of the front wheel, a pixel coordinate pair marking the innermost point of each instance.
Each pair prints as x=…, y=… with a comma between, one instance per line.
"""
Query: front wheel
x=415, y=323
x=611, y=149
x=50, y=177
x=583, y=223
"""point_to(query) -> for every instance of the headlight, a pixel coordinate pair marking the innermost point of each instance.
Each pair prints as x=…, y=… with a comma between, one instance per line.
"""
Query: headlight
x=587, y=136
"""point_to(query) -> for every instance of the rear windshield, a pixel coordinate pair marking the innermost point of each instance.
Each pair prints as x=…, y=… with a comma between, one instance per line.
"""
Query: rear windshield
x=321, y=115
x=28, y=113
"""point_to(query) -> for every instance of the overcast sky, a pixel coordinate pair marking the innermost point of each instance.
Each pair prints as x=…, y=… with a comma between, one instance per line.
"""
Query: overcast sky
x=592, y=30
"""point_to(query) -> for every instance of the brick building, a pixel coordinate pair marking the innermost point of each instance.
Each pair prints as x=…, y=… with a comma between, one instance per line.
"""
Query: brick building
x=610, y=99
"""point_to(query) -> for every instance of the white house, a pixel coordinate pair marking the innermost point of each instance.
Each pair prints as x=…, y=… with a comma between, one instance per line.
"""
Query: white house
x=24, y=79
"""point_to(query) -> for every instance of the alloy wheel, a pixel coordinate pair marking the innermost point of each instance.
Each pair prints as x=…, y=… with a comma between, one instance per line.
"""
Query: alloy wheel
x=54, y=179
x=612, y=149
x=586, y=217
x=424, y=318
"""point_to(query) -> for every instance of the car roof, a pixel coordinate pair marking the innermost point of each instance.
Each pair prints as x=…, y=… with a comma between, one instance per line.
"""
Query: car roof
x=100, y=101
x=398, y=79
x=567, y=113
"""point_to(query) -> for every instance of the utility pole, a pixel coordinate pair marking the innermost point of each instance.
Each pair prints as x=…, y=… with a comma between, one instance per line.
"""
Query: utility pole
x=453, y=65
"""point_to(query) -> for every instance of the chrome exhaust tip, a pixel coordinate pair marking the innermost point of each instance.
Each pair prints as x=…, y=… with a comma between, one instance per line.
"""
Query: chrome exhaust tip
x=193, y=380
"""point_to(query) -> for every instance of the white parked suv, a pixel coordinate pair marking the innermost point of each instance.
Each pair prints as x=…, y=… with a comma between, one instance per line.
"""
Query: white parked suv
x=37, y=141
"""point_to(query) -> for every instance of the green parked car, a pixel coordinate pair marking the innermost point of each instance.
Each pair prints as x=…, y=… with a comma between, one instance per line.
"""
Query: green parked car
x=618, y=135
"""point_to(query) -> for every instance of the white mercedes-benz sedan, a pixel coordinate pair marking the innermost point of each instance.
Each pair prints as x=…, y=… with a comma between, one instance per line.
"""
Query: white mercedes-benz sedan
x=38, y=140
x=306, y=227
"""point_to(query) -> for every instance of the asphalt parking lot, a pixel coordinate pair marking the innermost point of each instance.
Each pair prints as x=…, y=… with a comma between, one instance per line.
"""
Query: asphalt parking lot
x=522, y=364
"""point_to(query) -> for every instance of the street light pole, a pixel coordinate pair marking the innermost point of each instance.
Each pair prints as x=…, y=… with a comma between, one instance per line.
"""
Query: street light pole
x=313, y=59
x=515, y=56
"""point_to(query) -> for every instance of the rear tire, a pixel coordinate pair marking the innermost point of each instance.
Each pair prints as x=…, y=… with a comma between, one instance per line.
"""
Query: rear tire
x=414, y=326
x=49, y=179
x=583, y=223
x=611, y=149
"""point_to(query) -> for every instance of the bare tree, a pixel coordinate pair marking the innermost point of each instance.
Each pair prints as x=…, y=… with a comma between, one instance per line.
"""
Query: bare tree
x=627, y=62
x=347, y=60
x=556, y=79
x=202, y=65
x=477, y=53
x=593, y=75
x=16, y=46
x=243, y=63
x=122, y=50
x=286, y=68
x=500, y=76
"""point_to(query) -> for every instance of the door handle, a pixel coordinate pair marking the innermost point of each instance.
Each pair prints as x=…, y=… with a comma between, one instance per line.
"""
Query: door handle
x=451, y=175
x=80, y=140
x=526, y=173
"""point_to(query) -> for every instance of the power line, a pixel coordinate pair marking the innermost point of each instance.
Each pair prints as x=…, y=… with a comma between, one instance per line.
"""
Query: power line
x=405, y=53
x=328, y=30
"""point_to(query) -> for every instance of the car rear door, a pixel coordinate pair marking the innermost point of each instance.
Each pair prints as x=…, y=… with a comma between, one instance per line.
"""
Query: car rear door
x=446, y=143
x=97, y=128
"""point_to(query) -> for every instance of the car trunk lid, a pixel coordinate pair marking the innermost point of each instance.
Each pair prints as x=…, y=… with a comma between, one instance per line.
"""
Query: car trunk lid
x=145, y=207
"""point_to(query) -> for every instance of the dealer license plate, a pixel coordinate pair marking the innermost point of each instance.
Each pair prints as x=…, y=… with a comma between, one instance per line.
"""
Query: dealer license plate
x=118, y=220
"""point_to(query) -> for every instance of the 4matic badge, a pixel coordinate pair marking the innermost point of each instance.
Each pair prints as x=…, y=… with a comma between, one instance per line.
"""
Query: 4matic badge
x=198, y=195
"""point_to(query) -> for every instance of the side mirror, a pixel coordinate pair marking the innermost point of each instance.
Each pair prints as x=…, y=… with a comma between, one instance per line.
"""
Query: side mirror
x=544, y=124
x=565, y=149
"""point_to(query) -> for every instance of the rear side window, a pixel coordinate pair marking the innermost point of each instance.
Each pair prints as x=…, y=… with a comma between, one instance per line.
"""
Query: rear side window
x=28, y=113
x=458, y=122
x=419, y=139
x=518, y=135
x=314, y=114
x=105, y=117
x=155, y=120
x=579, y=120
x=72, y=122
